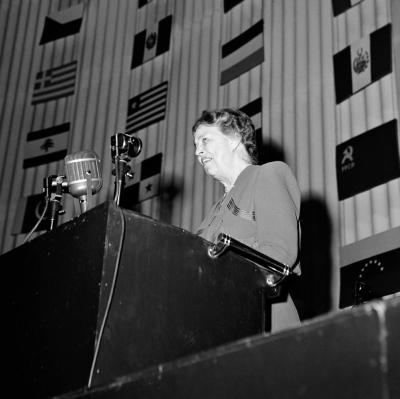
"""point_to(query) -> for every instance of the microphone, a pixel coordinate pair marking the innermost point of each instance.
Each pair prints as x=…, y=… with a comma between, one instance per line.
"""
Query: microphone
x=83, y=176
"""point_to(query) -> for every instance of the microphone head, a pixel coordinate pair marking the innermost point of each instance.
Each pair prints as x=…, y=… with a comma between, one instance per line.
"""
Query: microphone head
x=78, y=166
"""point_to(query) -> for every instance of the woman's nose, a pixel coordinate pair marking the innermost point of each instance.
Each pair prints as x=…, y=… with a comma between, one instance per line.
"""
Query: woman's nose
x=198, y=151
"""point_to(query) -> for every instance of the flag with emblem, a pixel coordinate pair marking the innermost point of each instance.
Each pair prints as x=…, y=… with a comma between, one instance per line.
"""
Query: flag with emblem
x=229, y=4
x=46, y=145
x=362, y=63
x=151, y=42
x=368, y=160
x=242, y=53
x=61, y=24
x=29, y=211
x=55, y=83
x=341, y=6
x=373, y=261
x=147, y=108
x=145, y=182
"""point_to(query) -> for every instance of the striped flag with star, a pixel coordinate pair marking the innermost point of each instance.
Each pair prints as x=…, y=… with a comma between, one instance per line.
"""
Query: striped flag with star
x=151, y=42
x=55, y=83
x=363, y=63
x=145, y=182
x=46, y=145
x=63, y=23
x=242, y=53
x=373, y=261
x=147, y=108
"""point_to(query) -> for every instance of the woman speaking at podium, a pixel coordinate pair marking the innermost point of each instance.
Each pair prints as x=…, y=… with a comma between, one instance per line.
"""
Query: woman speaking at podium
x=261, y=204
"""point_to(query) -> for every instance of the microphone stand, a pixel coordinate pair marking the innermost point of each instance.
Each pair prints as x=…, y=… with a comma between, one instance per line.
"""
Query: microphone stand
x=123, y=148
x=55, y=202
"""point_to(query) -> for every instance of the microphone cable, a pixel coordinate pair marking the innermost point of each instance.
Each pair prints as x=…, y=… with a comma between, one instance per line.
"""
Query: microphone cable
x=47, y=200
x=106, y=313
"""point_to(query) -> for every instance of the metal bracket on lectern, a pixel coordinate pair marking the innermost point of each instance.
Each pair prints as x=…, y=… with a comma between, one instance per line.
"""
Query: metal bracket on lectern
x=274, y=271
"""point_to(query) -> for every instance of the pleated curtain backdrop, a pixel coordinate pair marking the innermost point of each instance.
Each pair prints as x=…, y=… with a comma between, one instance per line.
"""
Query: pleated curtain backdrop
x=300, y=121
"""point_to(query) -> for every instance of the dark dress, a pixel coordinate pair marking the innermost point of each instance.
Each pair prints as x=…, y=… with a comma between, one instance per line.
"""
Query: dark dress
x=262, y=211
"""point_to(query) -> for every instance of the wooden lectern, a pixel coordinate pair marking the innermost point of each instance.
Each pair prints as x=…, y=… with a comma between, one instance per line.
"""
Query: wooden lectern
x=113, y=292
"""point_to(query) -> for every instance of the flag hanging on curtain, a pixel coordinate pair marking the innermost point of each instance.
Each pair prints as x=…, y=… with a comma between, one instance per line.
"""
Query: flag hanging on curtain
x=29, y=211
x=147, y=108
x=145, y=182
x=341, y=6
x=254, y=110
x=55, y=83
x=362, y=63
x=229, y=4
x=373, y=261
x=151, y=42
x=142, y=3
x=242, y=53
x=46, y=145
x=61, y=24
x=368, y=160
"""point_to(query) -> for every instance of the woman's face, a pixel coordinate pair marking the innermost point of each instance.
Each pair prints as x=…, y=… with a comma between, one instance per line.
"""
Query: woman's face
x=214, y=151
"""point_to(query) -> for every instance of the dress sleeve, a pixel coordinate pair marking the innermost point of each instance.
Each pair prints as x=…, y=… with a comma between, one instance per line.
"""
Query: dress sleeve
x=277, y=209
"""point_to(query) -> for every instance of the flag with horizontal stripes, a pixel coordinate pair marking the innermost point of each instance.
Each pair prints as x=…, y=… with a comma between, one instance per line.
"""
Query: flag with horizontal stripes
x=254, y=110
x=363, y=63
x=61, y=24
x=373, y=261
x=242, y=53
x=55, y=83
x=29, y=211
x=142, y=3
x=145, y=182
x=147, y=108
x=341, y=6
x=151, y=42
x=46, y=145
x=368, y=160
x=229, y=4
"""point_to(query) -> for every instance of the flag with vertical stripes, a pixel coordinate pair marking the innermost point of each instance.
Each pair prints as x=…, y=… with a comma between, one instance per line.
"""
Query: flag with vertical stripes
x=363, y=63
x=145, y=182
x=242, y=53
x=229, y=4
x=29, y=211
x=151, y=42
x=61, y=24
x=147, y=108
x=341, y=6
x=55, y=83
x=46, y=145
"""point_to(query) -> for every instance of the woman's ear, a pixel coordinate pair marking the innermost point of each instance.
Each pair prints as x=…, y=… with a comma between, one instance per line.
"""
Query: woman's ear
x=235, y=141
